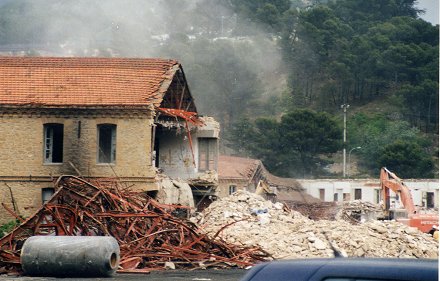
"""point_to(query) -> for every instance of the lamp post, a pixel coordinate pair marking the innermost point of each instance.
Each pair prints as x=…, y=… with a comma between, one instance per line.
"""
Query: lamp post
x=349, y=163
x=344, y=158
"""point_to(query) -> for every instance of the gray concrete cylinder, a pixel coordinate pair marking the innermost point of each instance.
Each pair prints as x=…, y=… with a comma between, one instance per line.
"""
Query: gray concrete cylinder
x=70, y=256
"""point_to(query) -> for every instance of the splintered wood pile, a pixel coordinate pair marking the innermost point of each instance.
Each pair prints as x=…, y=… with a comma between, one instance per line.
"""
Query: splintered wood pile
x=147, y=232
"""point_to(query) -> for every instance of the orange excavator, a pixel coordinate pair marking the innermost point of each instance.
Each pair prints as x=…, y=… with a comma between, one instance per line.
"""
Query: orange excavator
x=389, y=181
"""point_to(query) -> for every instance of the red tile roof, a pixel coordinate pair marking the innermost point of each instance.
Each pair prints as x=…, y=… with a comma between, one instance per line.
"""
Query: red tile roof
x=232, y=167
x=44, y=81
x=239, y=168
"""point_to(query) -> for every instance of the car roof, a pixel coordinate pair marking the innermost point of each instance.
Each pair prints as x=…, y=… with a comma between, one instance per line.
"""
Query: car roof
x=345, y=268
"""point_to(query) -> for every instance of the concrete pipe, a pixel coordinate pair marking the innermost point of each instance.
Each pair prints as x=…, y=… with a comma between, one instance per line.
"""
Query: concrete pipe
x=63, y=256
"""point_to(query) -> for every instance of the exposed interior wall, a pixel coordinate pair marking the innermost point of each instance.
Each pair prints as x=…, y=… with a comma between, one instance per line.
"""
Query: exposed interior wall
x=177, y=156
x=173, y=152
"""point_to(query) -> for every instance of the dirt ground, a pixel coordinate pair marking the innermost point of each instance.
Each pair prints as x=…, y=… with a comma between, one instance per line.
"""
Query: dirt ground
x=174, y=275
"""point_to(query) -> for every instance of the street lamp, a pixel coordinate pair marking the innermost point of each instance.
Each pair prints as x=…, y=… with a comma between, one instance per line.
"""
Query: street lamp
x=349, y=164
x=344, y=162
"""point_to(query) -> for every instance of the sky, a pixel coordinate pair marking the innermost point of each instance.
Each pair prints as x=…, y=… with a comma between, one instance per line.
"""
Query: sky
x=432, y=10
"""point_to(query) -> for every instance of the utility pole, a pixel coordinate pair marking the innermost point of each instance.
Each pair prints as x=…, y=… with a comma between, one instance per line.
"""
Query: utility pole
x=349, y=163
x=344, y=154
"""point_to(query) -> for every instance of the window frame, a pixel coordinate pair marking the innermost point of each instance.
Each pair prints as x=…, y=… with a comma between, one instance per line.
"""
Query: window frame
x=111, y=143
x=45, y=191
x=56, y=135
x=208, y=154
x=358, y=194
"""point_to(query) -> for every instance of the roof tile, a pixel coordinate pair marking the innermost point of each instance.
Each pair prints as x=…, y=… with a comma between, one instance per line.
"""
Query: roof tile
x=48, y=81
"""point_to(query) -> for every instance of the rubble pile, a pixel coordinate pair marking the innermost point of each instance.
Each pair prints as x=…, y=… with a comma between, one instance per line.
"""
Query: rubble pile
x=149, y=235
x=315, y=210
x=249, y=219
x=358, y=211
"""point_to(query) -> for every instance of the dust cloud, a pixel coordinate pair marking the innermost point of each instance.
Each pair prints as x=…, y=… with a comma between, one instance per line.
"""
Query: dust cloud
x=198, y=33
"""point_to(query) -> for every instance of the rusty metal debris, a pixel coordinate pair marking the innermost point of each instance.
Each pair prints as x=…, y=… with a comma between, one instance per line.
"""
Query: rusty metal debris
x=148, y=234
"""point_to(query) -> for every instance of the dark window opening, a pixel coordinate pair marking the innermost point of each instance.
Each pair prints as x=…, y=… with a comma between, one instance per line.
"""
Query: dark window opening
x=358, y=194
x=430, y=202
x=156, y=152
x=106, y=143
x=232, y=189
x=53, y=143
x=152, y=193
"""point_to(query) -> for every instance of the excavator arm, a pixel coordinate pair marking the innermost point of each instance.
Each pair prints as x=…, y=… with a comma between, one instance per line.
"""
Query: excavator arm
x=389, y=181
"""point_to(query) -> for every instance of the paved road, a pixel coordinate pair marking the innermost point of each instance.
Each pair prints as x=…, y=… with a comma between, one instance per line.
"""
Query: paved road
x=172, y=275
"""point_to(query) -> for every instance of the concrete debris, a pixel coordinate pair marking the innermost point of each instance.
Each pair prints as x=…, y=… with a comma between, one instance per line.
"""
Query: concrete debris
x=208, y=178
x=315, y=210
x=174, y=192
x=358, y=211
x=253, y=221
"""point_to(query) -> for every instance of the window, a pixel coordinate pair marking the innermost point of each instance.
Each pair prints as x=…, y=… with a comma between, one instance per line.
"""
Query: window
x=430, y=200
x=208, y=154
x=358, y=194
x=322, y=194
x=338, y=196
x=53, y=143
x=106, y=143
x=46, y=194
x=377, y=196
x=232, y=189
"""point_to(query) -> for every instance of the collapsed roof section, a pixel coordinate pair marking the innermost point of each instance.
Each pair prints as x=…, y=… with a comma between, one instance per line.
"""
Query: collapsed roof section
x=256, y=175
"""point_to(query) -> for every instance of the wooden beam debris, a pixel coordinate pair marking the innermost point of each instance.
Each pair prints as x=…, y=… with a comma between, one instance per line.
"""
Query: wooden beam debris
x=149, y=235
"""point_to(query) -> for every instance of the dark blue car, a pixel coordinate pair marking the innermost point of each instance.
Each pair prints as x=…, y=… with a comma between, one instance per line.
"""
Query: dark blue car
x=345, y=269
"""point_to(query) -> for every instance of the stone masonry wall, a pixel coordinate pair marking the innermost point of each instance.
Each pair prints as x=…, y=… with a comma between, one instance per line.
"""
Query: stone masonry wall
x=27, y=196
x=22, y=165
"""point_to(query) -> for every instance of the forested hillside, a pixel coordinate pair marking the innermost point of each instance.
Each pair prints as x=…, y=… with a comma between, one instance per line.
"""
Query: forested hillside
x=273, y=72
x=377, y=56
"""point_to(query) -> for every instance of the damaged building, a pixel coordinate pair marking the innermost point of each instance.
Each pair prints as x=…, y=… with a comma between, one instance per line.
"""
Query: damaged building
x=130, y=120
x=251, y=175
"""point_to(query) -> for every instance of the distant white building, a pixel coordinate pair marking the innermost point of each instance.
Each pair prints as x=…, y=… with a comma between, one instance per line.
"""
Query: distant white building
x=425, y=192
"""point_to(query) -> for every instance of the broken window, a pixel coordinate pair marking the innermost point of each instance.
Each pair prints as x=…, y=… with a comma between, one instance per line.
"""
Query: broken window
x=46, y=193
x=53, y=143
x=232, y=189
x=106, y=143
x=208, y=154
x=358, y=194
